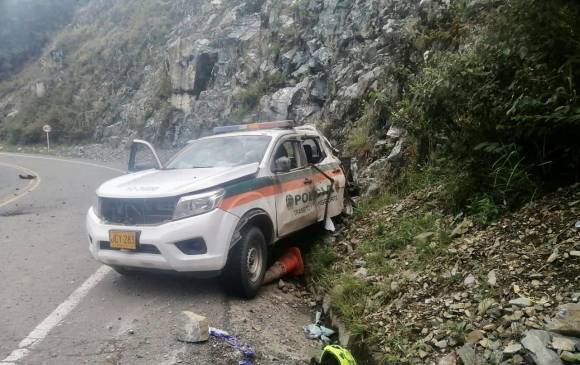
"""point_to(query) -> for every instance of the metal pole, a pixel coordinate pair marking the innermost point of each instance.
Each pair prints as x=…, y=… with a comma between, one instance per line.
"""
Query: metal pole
x=47, y=142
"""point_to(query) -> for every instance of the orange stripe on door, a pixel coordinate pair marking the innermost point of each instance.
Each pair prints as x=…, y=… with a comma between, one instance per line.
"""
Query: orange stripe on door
x=247, y=197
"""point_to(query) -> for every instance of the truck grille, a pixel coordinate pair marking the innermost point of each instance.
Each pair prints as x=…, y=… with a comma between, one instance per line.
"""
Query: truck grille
x=137, y=211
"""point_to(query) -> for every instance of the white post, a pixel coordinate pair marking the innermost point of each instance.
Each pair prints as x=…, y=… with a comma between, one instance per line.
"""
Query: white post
x=47, y=142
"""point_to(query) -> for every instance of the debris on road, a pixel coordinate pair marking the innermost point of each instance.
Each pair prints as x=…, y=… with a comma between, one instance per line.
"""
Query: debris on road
x=290, y=263
x=26, y=177
x=246, y=350
x=316, y=330
x=192, y=327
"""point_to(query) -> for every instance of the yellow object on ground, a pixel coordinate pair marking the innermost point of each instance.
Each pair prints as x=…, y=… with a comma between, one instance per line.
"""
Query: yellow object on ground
x=336, y=355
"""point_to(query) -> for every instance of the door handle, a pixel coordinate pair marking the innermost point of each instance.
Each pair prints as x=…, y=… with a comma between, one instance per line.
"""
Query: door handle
x=307, y=181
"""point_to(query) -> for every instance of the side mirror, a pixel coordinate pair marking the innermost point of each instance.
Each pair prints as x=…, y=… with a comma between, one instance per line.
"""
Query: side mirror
x=282, y=164
x=143, y=157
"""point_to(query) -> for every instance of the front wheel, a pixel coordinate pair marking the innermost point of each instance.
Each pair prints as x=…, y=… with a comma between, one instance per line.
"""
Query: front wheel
x=246, y=264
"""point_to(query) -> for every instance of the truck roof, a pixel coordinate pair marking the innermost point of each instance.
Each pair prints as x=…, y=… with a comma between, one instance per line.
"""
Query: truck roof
x=275, y=132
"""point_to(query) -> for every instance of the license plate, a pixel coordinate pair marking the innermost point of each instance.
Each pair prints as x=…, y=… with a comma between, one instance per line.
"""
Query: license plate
x=125, y=240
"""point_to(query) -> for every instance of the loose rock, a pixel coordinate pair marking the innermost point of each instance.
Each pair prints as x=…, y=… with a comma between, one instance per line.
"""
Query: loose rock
x=540, y=354
x=567, y=321
x=192, y=327
x=512, y=349
x=521, y=302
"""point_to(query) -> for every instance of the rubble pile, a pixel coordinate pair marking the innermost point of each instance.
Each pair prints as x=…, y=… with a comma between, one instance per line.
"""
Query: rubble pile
x=503, y=294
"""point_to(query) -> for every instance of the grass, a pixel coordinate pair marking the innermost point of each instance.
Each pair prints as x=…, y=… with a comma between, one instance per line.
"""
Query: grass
x=355, y=298
x=369, y=205
x=319, y=260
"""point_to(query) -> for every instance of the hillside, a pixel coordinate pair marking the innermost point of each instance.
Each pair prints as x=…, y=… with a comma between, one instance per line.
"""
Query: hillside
x=170, y=70
x=462, y=116
x=26, y=26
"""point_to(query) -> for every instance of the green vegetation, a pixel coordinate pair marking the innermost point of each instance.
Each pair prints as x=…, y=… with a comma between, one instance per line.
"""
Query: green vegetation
x=494, y=111
x=505, y=108
x=106, y=51
x=415, y=236
x=374, y=113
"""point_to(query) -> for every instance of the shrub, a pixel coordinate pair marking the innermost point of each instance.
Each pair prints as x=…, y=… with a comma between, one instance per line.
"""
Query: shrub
x=504, y=105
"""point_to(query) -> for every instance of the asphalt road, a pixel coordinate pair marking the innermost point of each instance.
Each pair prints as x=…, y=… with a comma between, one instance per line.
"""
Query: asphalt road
x=59, y=306
x=45, y=259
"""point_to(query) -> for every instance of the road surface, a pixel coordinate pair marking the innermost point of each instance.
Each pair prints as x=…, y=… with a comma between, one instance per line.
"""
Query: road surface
x=59, y=306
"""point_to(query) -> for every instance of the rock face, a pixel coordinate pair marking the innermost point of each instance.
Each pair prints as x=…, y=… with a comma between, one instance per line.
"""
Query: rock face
x=230, y=61
x=192, y=327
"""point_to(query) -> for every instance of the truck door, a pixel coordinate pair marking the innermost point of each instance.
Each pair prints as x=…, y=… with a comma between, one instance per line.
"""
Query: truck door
x=295, y=191
x=317, y=156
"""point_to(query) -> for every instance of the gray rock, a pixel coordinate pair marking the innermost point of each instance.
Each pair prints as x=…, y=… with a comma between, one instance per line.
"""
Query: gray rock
x=192, y=327
x=563, y=343
x=535, y=344
x=467, y=355
x=575, y=253
x=491, y=278
x=326, y=303
x=512, y=348
x=461, y=228
x=567, y=320
x=395, y=132
x=470, y=280
x=395, y=287
x=521, y=302
x=397, y=151
x=441, y=344
x=449, y=359
x=570, y=357
x=362, y=273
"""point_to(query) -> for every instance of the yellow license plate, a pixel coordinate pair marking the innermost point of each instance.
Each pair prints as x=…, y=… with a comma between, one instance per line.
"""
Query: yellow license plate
x=126, y=240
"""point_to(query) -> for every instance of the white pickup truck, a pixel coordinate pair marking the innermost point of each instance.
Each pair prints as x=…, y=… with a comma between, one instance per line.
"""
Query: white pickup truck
x=218, y=203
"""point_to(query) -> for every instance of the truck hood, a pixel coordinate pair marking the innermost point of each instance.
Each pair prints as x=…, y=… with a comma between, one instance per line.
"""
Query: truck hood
x=165, y=183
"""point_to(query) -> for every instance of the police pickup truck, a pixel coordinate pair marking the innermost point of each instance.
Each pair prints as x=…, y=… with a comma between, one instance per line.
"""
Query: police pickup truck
x=217, y=205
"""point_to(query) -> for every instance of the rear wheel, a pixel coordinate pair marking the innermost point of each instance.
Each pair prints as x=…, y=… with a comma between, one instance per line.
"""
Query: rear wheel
x=246, y=264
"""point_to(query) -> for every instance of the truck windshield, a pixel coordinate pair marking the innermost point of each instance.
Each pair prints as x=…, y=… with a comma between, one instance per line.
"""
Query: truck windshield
x=227, y=151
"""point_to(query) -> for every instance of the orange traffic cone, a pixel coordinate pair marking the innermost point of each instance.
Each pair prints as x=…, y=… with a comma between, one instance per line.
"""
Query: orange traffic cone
x=289, y=264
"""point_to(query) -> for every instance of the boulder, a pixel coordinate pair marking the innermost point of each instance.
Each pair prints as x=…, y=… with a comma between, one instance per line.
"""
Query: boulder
x=192, y=327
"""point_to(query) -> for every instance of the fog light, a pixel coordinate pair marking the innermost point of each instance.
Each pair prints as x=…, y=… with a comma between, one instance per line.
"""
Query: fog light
x=194, y=246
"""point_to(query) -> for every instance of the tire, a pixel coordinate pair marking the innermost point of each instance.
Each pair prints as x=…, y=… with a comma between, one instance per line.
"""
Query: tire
x=247, y=260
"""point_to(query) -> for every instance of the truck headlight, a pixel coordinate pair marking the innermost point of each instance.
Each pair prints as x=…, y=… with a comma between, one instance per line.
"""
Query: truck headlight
x=191, y=205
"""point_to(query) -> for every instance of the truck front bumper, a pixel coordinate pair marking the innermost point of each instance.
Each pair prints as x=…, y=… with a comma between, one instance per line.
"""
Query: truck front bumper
x=158, y=249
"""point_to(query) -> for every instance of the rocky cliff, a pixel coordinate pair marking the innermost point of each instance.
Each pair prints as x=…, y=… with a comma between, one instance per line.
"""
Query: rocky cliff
x=169, y=72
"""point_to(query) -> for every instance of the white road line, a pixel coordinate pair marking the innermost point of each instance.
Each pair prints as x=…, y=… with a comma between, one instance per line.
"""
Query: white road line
x=32, y=184
x=41, y=331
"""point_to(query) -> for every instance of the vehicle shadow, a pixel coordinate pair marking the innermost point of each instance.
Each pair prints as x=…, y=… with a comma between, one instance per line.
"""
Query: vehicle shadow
x=161, y=284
